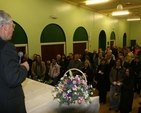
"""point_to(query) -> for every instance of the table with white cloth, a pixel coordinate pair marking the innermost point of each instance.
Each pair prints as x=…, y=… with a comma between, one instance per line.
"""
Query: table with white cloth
x=39, y=99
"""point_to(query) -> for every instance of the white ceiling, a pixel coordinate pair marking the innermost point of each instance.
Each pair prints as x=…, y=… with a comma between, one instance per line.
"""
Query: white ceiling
x=106, y=8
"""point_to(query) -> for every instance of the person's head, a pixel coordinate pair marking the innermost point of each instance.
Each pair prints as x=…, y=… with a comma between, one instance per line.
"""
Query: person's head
x=86, y=51
x=53, y=61
x=109, y=55
x=34, y=56
x=121, y=57
x=128, y=49
x=48, y=62
x=103, y=61
x=38, y=58
x=63, y=56
x=125, y=52
x=108, y=48
x=86, y=63
x=100, y=55
x=100, y=50
x=6, y=25
x=58, y=57
x=87, y=57
x=70, y=56
x=76, y=57
x=26, y=56
x=120, y=54
x=137, y=59
x=128, y=72
x=118, y=62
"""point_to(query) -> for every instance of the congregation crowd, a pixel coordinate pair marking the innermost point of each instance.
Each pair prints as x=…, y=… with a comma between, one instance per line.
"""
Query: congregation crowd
x=117, y=70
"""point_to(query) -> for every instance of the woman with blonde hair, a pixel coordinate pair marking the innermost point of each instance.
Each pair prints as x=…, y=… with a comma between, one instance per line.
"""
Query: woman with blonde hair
x=88, y=72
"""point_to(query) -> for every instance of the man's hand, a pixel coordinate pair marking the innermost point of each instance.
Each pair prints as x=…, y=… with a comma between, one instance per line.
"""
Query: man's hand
x=26, y=65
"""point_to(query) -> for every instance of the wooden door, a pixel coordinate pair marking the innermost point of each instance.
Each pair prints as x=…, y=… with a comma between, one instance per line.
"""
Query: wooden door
x=50, y=51
x=21, y=49
x=112, y=43
x=78, y=48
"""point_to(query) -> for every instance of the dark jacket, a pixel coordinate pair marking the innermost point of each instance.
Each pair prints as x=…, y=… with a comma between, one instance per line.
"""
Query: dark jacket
x=11, y=77
x=89, y=72
x=117, y=74
x=102, y=80
x=127, y=94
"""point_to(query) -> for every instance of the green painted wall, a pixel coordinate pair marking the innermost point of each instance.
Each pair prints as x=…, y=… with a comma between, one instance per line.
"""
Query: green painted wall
x=34, y=15
x=135, y=31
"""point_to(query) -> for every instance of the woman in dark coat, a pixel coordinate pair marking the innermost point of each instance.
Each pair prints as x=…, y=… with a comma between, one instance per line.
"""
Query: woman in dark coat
x=102, y=80
x=88, y=72
x=127, y=92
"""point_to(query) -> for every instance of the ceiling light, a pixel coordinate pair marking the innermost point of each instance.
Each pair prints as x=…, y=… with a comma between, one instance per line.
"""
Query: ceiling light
x=133, y=19
x=119, y=7
x=120, y=11
x=95, y=1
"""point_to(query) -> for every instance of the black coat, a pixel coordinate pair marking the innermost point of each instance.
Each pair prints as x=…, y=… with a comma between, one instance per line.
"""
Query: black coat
x=89, y=72
x=102, y=80
x=127, y=94
x=11, y=77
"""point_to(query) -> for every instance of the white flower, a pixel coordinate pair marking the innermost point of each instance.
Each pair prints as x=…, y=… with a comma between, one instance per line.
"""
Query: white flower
x=62, y=78
x=71, y=77
x=86, y=96
x=69, y=91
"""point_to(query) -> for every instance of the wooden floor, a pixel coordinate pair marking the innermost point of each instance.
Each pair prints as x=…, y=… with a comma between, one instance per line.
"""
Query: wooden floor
x=104, y=108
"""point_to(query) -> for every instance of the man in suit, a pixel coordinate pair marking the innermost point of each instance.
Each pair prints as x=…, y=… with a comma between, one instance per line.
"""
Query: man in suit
x=12, y=74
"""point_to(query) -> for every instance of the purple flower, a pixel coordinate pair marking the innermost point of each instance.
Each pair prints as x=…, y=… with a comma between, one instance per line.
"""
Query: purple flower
x=69, y=82
x=69, y=95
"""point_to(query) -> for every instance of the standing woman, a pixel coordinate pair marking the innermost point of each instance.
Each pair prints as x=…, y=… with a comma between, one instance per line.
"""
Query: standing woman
x=127, y=92
x=88, y=72
x=102, y=80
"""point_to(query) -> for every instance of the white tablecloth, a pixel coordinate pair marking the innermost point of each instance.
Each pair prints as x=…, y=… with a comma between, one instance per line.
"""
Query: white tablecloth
x=39, y=99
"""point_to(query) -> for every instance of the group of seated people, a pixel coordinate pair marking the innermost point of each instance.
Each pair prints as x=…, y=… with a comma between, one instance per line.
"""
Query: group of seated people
x=117, y=70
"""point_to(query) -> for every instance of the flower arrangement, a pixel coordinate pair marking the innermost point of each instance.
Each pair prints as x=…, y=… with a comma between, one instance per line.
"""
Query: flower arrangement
x=72, y=89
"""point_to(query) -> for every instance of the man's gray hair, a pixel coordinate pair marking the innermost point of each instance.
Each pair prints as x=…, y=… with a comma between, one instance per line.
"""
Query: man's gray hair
x=5, y=18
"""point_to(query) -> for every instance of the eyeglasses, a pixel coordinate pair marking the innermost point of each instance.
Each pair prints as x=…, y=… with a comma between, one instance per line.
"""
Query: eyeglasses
x=13, y=25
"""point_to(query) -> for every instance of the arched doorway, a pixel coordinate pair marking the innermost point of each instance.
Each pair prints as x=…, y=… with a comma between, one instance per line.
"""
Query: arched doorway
x=52, y=41
x=80, y=40
x=102, y=40
x=112, y=39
